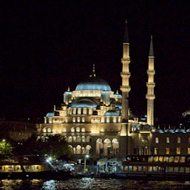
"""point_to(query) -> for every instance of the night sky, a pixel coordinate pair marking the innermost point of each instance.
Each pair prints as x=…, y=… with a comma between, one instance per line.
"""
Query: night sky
x=46, y=46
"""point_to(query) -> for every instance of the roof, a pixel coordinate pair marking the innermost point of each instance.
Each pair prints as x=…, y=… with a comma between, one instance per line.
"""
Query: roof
x=93, y=83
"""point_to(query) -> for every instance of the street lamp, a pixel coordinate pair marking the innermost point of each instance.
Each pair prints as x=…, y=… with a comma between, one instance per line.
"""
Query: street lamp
x=86, y=157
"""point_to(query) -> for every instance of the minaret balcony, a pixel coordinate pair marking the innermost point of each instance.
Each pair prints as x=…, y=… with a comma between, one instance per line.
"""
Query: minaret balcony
x=125, y=88
x=151, y=72
x=125, y=75
x=125, y=60
x=150, y=84
x=150, y=97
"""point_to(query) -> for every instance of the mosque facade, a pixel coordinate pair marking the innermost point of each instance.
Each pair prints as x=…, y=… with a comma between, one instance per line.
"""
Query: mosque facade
x=96, y=120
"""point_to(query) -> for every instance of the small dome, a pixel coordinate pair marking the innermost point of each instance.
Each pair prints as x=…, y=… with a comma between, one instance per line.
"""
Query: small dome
x=188, y=131
x=158, y=130
x=180, y=129
x=169, y=130
x=94, y=83
x=112, y=113
x=50, y=114
x=84, y=103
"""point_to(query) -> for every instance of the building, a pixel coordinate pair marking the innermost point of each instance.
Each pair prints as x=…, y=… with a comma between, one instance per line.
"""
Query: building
x=97, y=121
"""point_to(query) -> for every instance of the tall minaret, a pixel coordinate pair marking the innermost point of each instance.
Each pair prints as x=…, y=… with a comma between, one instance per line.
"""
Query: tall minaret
x=150, y=86
x=125, y=75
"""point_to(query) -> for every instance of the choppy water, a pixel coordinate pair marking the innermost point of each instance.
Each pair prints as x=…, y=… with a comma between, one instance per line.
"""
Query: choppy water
x=91, y=183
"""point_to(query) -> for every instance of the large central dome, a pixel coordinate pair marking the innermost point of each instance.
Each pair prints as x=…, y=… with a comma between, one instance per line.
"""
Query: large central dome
x=94, y=83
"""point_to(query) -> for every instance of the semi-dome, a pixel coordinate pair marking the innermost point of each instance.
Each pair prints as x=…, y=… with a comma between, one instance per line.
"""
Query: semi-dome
x=94, y=83
x=84, y=103
x=112, y=113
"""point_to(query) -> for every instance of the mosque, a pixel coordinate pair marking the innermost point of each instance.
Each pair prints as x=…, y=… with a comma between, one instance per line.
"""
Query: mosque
x=97, y=121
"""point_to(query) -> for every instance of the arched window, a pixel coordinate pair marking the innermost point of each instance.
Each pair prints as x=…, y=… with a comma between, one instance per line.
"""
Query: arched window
x=74, y=139
x=49, y=130
x=78, y=119
x=156, y=140
x=72, y=129
x=74, y=150
x=107, y=146
x=99, y=146
x=83, y=130
x=78, y=139
x=83, y=138
x=83, y=119
x=74, y=119
x=70, y=139
x=88, y=147
x=78, y=129
x=83, y=150
x=44, y=130
x=78, y=149
x=115, y=144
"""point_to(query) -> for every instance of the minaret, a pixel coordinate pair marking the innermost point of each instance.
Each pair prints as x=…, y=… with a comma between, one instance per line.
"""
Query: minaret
x=125, y=75
x=150, y=86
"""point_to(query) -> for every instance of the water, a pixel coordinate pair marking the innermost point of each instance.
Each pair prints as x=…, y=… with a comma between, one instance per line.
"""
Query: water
x=91, y=183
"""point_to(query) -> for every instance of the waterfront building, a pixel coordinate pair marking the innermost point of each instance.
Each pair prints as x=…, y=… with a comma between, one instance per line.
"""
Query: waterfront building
x=96, y=120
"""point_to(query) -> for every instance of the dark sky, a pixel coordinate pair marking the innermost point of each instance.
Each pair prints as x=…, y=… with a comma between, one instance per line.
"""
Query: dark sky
x=46, y=46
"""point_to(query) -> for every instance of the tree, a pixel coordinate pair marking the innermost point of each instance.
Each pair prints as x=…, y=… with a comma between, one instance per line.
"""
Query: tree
x=56, y=146
x=5, y=147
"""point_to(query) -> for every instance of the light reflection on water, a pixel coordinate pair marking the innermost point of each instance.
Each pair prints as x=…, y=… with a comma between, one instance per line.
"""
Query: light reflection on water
x=90, y=183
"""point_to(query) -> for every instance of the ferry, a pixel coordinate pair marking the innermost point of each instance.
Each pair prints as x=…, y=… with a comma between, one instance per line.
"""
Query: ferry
x=31, y=167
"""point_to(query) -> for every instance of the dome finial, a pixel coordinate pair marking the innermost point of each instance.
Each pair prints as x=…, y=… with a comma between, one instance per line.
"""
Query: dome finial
x=94, y=70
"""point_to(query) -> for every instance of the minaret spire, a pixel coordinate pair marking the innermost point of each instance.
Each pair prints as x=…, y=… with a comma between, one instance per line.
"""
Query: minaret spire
x=150, y=96
x=151, y=50
x=126, y=35
x=125, y=75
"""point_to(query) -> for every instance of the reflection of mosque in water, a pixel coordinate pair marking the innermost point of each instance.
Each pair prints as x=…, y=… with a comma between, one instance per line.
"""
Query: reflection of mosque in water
x=96, y=121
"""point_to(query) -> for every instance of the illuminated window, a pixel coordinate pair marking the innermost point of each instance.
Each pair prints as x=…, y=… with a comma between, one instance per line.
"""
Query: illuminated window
x=64, y=130
x=114, y=119
x=74, y=120
x=119, y=119
x=167, y=139
x=83, y=138
x=188, y=150
x=44, y=130
x=83, y=130
x=102, y=120
x=155, y=151
x=178, y=139
x=178, y=150
x=78, y=119
x=102, y=130
x=84, y=111
x=156, y=140
x=72, y=129
x=83, y=119
x=78, y=129
x=79, y=110
x=90, y=111
x=107, y=119
x=49, y=130
x=167, y=150
x=70, y=139
x=74, y=139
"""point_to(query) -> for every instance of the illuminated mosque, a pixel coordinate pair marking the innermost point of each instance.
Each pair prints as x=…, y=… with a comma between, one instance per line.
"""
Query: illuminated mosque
x=94, y=120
